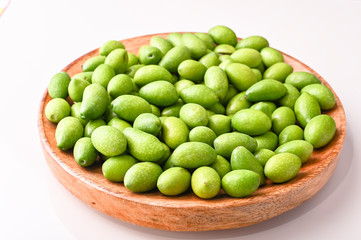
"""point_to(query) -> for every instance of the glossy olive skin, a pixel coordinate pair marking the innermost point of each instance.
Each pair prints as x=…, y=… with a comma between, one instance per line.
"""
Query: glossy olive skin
x=266, y=107
x=174, y=57
x=173, y=110
x=278, y=71
x=219, y=124
x=160, y=93
x=129, y=107
x=320, y=130
x=87, y=76
x=75, y=112
x=282, y=167
x=192, y=70
x=216, y=79
x=205, y=182
x=58, y=85
x=251, y=122
x=231, y=92
x=196, y=46
x=242, y=158
x=291, y=96
x=57, y=109
x=254, y=42
x=217, y=108
x=109, y=141
x=210, y=59
x=103, y=74
x=115, y=168
x=119, y=85
x=281, y=118
x=301, y=79
x=76, y=89
x=95, y=102
x=289, y=133
x=268, y=140
x=109, y=46
x=119, y=123
x=225, y=144
x=92, y=125
x=306, y=107
x=221, y=165
x=149, y=55
x=207, y=39
x=224, y=49
x=223, y=35
x=193, y=155
x=263, y=155
x=92, y=63
x=162, y=44
x=174, y=132
x=323, y=94
x=174, y=181
x=142, y=177
x=132, y=59
x=84, y=152
x=199, y=94
x=241, y=76
x=247, y=56
x=237, y=102
x=193, y=115
x=266, y=90
x=175, y=39
x=271, y=56
x=149, y=123
x=300, y=148
x=182, y=84
x=151, y=73
x=143, y=146
x=118, y=60
x=240, y=183
x=67, y=132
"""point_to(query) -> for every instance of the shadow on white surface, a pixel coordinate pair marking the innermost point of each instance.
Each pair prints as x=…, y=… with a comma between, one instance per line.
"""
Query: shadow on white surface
x=85, y=222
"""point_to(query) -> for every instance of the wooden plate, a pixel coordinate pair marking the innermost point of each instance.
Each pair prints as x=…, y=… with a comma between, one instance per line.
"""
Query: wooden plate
x=188, y=212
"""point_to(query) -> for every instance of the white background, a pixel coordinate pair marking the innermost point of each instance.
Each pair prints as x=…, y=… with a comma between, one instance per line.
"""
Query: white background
x=39, y=38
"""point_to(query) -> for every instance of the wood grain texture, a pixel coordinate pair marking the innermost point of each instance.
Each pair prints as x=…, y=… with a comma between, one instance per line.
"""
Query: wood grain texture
x=188, y=212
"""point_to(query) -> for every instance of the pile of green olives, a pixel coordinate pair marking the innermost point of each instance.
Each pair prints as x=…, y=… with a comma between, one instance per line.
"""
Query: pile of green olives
x=194, y=112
